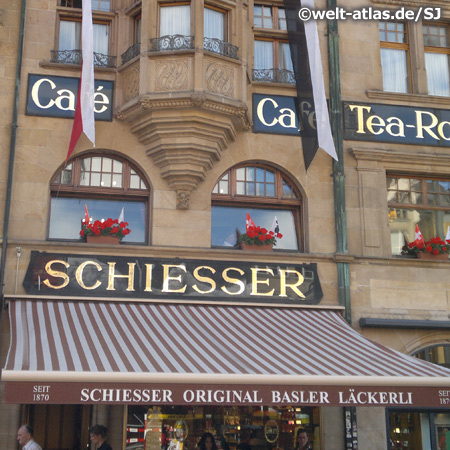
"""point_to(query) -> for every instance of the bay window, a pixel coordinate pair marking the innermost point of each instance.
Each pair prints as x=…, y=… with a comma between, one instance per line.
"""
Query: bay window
x=175, y=19
x=394, y=56
x=264, y=193
x=436, y=39
x=214, y=24
x=417, y=201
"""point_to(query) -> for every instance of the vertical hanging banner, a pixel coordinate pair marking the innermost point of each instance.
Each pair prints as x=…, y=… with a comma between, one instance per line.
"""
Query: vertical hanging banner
x=308, y=70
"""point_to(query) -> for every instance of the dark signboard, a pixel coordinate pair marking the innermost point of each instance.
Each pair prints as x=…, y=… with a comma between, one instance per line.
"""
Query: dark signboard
x=238, y=394
x=399, y=124
x=154, y=278
x=277, y=114
x=52, y=96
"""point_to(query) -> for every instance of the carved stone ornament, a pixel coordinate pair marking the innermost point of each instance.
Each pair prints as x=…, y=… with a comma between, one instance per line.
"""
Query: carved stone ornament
x=185, y=134
x=172, y=75
x=131, y=83
x=219, y=79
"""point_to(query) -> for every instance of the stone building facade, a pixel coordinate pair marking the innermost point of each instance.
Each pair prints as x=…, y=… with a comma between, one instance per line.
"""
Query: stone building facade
x=180, y=85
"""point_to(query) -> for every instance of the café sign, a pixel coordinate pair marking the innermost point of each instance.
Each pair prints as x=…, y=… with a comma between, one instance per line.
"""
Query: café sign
x=396, y=124
x=53, y=96
x=156, y=278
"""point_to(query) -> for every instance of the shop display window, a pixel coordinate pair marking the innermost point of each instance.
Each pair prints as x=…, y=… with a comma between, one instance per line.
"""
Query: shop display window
x=106, y=186
x=264, y=193
x=421, y=201
x=233, y=427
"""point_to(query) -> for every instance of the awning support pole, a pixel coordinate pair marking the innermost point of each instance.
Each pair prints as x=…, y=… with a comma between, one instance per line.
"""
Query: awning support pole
x=338, y=166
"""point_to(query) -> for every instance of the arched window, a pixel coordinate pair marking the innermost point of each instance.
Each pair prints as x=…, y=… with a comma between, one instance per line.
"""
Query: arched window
x=437, y=354
x=263, y=192
x=106, y=185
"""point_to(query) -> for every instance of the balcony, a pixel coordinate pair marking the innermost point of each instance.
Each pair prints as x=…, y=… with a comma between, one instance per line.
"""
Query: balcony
x=75, y=57
x=221, y=47
x=131, y=53
x=274, y=76
x=171, y=43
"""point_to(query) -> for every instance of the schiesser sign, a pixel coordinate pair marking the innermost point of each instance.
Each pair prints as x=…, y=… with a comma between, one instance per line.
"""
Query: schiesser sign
x=156, y=278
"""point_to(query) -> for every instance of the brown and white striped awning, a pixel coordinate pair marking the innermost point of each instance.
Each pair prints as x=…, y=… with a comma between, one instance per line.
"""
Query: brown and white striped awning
x=74, y=345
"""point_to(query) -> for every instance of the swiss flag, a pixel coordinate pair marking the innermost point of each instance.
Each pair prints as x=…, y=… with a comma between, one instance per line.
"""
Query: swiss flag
x=418, y=238
x=249, y=222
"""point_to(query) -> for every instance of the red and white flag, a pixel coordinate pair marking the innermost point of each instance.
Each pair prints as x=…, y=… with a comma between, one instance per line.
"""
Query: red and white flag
x=84, y=112
x=418, y=236
x=249, y=222
x=86, y=215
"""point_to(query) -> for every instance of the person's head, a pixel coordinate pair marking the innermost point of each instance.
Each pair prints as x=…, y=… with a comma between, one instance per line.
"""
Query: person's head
x=207, y=442
x=302, y=437
x=24, y=434
x=98, y=434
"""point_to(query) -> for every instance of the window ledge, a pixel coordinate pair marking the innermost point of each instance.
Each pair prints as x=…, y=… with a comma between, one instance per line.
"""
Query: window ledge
x=77, y=67
x=408, y=99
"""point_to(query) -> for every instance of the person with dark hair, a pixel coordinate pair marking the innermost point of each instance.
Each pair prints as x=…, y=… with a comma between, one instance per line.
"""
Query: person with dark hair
x=98, y=437
x=302, y=441
x=207, y=442
x=25, y=438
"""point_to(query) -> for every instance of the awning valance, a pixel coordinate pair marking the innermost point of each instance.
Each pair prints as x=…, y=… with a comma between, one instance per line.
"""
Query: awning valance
x=82, y=351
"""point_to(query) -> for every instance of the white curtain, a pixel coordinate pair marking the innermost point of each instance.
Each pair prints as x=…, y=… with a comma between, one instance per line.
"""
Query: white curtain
x=395, y=70
x=285, y=57
x=175, y=20
x=214, y=24
x=438, y=75
x=69, y=35
x=101, y=33
x=263, y=55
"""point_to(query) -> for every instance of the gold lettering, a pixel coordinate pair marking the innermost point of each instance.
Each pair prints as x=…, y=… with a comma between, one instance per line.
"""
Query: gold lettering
x=441, y=130
x=395, y=122
x=421, y=127
x=255, y=281
x=148, y=277
x=167, y=278
x=112, y=276
x=56, y=274
x=79, y=275
x=284, y=285
x=360, y=115
x=233, y=281
x=198, y=277
x=375, y=121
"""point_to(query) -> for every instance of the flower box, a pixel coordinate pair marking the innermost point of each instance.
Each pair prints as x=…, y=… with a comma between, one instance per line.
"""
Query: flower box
x=256, y=247
x=111, y=240
x=430, y=256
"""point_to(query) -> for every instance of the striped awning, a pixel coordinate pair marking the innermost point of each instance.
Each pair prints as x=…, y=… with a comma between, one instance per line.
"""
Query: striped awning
x=75, y=345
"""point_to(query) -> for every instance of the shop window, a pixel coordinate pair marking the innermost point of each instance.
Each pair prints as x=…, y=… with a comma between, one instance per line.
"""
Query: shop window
x=264, y=193
x=436, y=39
x=421, y=201
x=273, y=62
x=394, y=56
x=255, y=427
x=269, y=17
x=106, y=186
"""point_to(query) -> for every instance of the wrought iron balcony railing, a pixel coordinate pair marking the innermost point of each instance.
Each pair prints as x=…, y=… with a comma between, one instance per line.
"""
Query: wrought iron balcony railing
x=174, y=42
x=221, y=47
x=131, y=53
x=74, y=57
x=274, y=76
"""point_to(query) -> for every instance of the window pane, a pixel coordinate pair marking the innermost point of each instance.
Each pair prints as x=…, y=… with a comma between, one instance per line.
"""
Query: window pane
x=214, y=24
x=69, y=35
x=175, y=20
x=257, y=16
x=66, y=215
x=106, y=180
x=285, y=57
x=95, y=179
x=395, y=70
x=226, y=219
x=263, y=55
x=410, y=430
x=282, y=19
x=240, y=173
x=240, y=188
x=260, y=191
x=250, y=173
x=107, y=164
x=101, y=38
x=438, y=74
x=96, y=164
x=402, y=223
